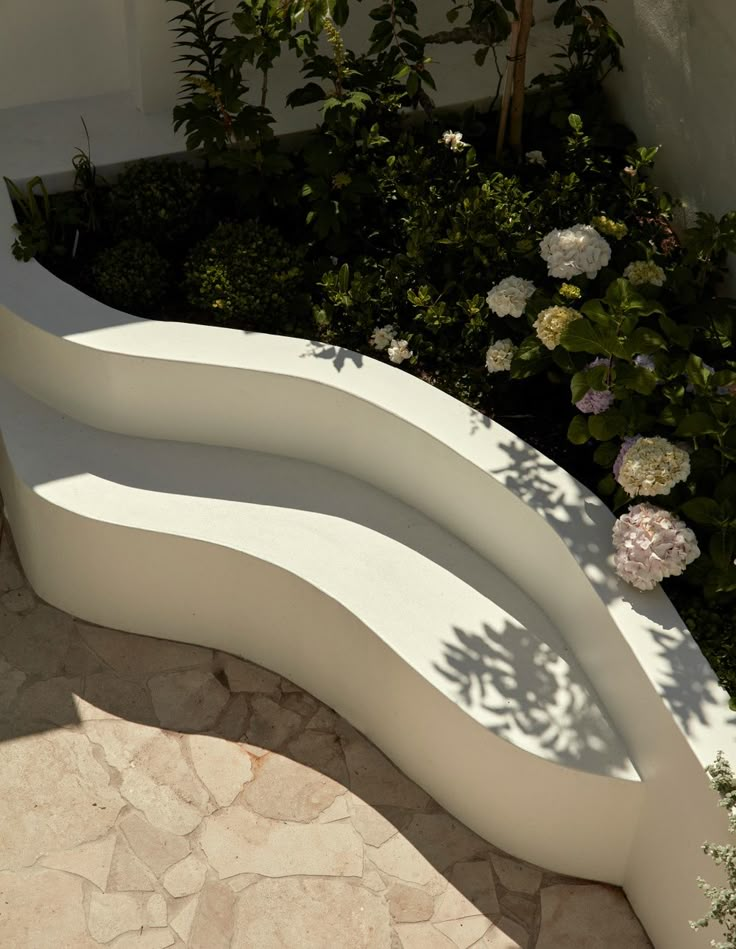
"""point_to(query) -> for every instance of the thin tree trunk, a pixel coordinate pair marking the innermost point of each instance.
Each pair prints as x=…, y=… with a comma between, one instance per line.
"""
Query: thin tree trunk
x=508, y=82
x=526, y=18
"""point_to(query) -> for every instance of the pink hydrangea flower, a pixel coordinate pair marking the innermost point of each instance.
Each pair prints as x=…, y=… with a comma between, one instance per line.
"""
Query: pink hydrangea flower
x=652, y=544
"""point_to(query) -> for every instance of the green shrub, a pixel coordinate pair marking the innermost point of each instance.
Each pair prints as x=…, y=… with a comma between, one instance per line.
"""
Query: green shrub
x=156, y=200
x=130, y=275
x=722, y=898
x=247, y=272
x=713, y=626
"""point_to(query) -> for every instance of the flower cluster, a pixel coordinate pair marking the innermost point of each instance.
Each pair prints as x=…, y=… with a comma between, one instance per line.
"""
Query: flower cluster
x=568, y=291
x=645, y=362
x=552, y=322
x=399, y=350
x=625, y=445
x=579, y=249
x=615, y=229
x=510, y=296
x=453, y=140
x=594, y=402
x=642, y=272
x=384, y=337
x=536, y=157
x=499, y=355
x=651, y=466
x=652, y=544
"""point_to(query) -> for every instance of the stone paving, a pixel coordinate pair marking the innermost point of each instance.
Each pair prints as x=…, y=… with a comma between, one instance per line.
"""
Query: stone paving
x=154, y=794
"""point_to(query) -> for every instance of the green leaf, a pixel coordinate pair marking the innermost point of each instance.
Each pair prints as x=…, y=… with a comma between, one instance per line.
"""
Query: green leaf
x=582, y=337
x=575, y=123
x=596, y=312
x=697, y=423
x=636, y=378
x=644, y=341
x=607, y=425
x=622, y=297
x=343, y=278
x=606, y=453
x=680, y=335
x=412, y=84
x=725, y=492
x=696, y=372
x=702, y=511
x=577, y=431
x=529, y=359
x=607, y=484
x=579, y=385
x=721, y=549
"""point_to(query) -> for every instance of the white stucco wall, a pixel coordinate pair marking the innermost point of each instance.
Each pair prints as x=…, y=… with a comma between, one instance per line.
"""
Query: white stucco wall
x=64, y=50
x=677, y=90
x=83, y=48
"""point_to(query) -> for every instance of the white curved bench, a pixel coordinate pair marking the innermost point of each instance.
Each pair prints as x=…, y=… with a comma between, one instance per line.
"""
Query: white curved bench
x=96, y=518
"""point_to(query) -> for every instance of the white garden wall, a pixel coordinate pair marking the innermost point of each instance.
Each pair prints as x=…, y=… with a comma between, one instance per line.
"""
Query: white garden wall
x=84, y=48
x=677, y=91
x=64, y=50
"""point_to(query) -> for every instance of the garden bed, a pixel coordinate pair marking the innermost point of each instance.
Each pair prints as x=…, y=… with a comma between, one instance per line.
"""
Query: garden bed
x=434, y=225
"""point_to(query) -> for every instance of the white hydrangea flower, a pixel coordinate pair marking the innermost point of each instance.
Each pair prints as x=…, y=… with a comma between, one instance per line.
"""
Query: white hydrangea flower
x=499, y=355
x=536, y=157
x=453, y=140
x=551, y=323
x=383, y=336
x=652, y=544
x=576, y=250
x=641, y=272
x=652, y=466
x=399, y=350
x=510, y=296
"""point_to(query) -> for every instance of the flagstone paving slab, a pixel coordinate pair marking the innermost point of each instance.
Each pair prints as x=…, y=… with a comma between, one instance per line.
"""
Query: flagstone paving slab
x=156, y=794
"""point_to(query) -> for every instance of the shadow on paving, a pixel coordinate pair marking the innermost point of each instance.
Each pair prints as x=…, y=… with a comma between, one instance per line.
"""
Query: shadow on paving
x=59, y=674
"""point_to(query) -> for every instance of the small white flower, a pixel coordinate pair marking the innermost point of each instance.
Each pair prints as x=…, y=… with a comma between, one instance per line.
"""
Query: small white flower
x=399, y=350
x=454, y=141
x=383, y=336
x=630, y=170
x=509, y=296
x=641, y=272
x=579, y=249
x=645, y=362
x=536, y=157
x=499, y=355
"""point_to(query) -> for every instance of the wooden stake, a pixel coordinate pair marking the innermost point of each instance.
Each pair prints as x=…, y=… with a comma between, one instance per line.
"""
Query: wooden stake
x=508, y=81
x=526, y=18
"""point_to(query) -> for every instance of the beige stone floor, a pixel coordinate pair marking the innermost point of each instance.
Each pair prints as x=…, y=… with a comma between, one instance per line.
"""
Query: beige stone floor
x=154, y=794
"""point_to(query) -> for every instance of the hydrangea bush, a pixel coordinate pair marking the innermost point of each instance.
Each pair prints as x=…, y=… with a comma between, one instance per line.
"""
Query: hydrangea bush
x=619, y=302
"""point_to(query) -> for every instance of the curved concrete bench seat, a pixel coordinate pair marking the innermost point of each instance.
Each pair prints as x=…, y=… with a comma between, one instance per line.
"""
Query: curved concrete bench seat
x=352, y=593
x=443, y=585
